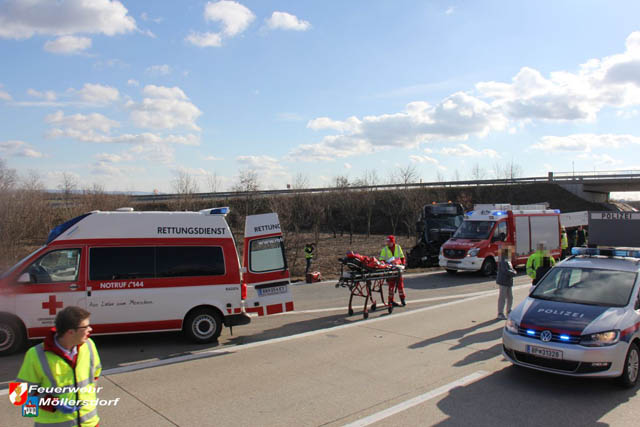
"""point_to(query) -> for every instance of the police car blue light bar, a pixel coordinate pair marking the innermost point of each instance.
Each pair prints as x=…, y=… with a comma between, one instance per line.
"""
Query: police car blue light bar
x=632, y=253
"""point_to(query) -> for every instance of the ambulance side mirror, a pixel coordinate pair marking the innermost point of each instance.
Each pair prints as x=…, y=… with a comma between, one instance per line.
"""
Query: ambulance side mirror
x=24, y=278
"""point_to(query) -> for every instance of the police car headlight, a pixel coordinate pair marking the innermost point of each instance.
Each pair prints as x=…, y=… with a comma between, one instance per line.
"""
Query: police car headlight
x=473, y=252
x=511, y=326
x=600, y=339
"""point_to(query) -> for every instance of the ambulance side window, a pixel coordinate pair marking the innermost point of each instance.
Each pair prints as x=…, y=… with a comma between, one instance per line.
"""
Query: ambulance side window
x=54, y=267
x=121, y=263
x=184, y=261
x=500, y=233
x=266, y=255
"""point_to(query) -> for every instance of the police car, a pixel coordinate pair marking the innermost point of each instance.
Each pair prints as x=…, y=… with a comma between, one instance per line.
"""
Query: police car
x=582, y=318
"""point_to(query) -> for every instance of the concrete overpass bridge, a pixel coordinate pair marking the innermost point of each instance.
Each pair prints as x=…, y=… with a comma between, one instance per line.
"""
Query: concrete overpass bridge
x=596, y=186
x=592, y=186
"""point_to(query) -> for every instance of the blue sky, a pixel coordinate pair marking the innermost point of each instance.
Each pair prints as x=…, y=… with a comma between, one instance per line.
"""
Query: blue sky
x=131, y=95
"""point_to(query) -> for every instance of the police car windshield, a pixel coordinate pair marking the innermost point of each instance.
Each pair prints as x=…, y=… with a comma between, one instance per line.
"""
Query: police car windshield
x=474, y=230
x=590, y=286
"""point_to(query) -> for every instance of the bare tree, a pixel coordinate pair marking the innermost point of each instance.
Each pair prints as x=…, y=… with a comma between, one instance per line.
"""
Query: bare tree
x=407, y=174
x=477, y=173
x=247, y=183
x=212, y=182
x=368, y=178
x=509, y=170
x=186, y=186
x=8, y=177
x=300, y=182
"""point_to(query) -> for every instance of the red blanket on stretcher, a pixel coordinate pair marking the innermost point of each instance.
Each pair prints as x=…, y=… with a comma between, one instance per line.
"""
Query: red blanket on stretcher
x=370, y=262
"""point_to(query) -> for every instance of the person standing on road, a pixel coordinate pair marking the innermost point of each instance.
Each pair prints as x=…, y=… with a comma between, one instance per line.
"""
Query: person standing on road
x=581, y=236
x=392, y=253
x=504, y=279
x=564, y=243
x=66, y=359
x=308, y=254
x=542, y=270
x=535, y=260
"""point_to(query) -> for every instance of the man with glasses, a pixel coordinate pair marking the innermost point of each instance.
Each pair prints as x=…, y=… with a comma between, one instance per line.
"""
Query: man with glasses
x=67, y=364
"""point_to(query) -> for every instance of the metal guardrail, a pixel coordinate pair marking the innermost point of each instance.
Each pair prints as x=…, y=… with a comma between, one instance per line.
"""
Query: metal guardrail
x=556, y=177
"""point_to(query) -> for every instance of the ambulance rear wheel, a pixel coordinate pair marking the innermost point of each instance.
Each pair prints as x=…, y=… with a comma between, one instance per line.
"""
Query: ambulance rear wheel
x=629, y=376
x=12, y=337
x=203, y=325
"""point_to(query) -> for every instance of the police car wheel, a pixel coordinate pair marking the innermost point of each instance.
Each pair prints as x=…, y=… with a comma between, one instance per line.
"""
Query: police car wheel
x=203, y=326
x=11, y=337
x=629, y=376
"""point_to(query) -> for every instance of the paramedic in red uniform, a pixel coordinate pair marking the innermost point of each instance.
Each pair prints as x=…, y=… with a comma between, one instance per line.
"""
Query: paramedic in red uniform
x=393, y=252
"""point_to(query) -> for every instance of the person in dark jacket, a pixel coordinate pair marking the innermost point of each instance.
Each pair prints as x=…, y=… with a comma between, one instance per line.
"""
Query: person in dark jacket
x=504, y=279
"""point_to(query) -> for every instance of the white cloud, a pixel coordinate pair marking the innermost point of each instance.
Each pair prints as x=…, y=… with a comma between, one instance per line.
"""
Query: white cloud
x=18, y=149
x=213, y=158
x=584, y=142
x=627, y=114
x=164, y=108
x=414, y=158
x=96, y=94
x=458, y=116
x=463, y=150
x=96, y=128
x=145, y=17
x=269, y=170
x=234, y=17
x=133, y=82
x=204, y=39
x=4, y=95
x=68, y=45
x=450, y=10
x=48, y=95
x=286, y=21
x=348, y=166
x=163, y=69
x=21, y=19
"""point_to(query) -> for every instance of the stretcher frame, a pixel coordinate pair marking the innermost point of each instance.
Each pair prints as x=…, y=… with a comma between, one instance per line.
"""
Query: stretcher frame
x=365, y=283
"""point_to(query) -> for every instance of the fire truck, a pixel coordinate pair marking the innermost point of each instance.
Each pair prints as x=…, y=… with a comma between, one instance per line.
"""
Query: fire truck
x=475, y=245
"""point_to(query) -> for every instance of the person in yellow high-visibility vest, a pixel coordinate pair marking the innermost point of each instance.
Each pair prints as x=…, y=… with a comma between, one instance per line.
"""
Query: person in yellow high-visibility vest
x=535, y=261
x=564, y=243
x=392, y=252
x=67, y=365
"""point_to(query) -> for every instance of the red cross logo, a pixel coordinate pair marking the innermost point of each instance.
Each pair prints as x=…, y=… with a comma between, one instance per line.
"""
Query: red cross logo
x=52, y=305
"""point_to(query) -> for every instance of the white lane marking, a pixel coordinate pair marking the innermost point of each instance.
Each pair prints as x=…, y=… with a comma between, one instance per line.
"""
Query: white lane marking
x=418, y=400
x=413, y=301
x=3, y=392
x=236, y=348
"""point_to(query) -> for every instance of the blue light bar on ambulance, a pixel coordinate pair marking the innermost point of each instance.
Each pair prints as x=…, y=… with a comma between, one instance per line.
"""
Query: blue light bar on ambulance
x=498, y=213
x=219, y=211
x=632, y=253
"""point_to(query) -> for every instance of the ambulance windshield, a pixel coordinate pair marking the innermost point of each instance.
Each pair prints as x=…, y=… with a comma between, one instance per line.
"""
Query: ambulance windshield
x=474, y=230
x=18, y=264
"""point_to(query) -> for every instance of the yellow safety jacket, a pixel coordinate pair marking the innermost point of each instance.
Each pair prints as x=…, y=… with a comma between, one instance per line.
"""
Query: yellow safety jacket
x=308, y=252
x=564, y=242
x=535, y=260
x=48, y=369
x=386, y=254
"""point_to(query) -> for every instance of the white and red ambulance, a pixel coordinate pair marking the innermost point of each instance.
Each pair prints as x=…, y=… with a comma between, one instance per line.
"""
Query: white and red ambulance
x=147, y=272
x=476, y=244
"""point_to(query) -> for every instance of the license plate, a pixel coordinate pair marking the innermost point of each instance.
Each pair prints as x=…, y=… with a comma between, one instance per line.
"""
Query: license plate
x=544, y=352
x=274, y=290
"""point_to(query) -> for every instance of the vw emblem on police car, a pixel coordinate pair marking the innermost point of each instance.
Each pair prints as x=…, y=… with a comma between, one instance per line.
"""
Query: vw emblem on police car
x=546, y=336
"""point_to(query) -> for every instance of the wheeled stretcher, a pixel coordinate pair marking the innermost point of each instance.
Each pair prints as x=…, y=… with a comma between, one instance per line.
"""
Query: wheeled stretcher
x=365, y=276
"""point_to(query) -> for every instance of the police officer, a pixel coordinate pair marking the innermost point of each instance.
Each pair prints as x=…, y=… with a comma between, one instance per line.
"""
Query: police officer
x=581, y=236
x=67, y=358
x=535, y=260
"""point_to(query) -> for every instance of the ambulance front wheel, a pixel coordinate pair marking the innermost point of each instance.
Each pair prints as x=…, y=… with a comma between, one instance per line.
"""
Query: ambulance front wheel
x=12, y=336
x=203, y=325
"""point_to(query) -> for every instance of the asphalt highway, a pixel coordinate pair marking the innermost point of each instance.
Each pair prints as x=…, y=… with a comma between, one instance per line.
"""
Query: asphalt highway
x=436, y=361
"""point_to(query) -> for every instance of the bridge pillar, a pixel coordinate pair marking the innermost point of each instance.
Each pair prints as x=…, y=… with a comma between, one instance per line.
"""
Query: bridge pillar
x=578, y=189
